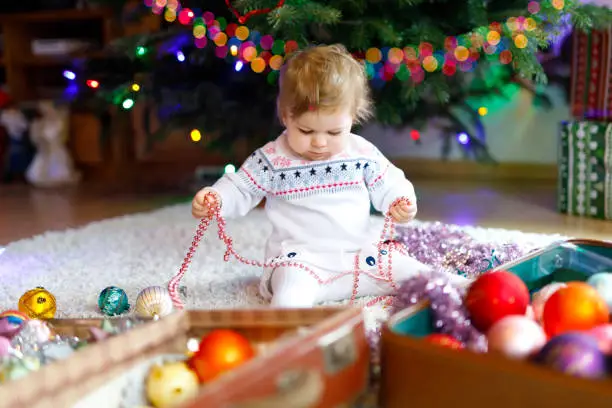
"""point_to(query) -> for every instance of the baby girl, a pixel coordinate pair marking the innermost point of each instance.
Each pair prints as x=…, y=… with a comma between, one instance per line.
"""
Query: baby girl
x=319, y=180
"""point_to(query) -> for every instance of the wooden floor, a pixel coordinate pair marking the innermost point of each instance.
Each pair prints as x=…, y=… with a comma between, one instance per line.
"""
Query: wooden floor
x=26, y=211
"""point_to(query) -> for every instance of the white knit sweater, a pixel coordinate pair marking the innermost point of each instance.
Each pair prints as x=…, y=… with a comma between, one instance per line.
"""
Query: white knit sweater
x=319, y=205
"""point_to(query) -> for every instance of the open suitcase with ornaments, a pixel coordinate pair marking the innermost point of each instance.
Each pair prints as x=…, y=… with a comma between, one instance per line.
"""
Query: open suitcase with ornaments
x=302, y=358
x=417, y=373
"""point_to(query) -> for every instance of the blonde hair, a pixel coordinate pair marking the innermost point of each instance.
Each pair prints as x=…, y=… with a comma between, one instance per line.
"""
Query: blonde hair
x=324, y=77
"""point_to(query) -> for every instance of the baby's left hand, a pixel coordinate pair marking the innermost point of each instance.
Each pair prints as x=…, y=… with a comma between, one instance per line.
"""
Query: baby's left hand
x=402, y=211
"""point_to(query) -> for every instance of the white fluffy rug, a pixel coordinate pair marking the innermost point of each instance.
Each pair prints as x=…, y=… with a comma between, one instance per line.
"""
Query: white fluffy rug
x=147, y=249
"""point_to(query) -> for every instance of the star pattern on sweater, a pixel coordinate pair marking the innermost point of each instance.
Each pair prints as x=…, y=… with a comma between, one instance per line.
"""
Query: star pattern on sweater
x=356, y=172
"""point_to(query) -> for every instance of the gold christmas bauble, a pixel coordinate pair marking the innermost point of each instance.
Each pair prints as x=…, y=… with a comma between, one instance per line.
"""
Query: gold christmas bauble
x=38, y=303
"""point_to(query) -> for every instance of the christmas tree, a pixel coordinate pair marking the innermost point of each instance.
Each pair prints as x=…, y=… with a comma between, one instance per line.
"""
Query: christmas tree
x=213, y=66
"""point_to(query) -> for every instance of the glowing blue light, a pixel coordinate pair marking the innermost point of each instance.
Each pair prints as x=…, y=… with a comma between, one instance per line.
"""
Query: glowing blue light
x=180, y=56
x=69, y=75
x=70, y=93
x=230, y=168
x=238, y=66
x=463, y=138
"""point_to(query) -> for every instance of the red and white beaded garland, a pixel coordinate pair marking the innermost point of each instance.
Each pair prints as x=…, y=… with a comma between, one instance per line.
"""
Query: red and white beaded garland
x=385, y=244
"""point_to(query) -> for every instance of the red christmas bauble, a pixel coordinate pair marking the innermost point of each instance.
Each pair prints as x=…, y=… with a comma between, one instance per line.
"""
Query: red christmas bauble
x=220, y=351
x=576, y=307
x=444, y=340
x=495, y=295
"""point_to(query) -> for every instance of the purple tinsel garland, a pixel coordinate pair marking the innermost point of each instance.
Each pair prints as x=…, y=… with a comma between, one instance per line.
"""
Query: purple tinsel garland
x=446, y=303
x=448, y=249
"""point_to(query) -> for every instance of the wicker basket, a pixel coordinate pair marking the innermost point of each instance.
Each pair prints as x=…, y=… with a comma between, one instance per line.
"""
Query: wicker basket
x=319, y=358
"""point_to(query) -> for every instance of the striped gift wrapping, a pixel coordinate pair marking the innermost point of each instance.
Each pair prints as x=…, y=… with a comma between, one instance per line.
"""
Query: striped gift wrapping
x=585, y=169
x=591, y=78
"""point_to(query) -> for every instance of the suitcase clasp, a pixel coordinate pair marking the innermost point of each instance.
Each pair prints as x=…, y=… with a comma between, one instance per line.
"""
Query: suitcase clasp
x=339, y=349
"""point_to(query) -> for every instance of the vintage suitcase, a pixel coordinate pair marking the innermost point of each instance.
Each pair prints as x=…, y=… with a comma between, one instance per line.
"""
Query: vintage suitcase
x=312, y=358
x=419, y=374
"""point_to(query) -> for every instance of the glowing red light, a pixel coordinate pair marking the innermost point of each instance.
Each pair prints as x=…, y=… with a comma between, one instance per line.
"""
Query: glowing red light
x=185, y=16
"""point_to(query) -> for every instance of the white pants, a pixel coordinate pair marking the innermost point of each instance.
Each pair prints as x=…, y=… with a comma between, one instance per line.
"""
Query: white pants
x=302, y=278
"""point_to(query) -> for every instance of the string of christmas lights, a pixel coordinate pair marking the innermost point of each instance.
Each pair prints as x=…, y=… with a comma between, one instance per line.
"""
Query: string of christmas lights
x=264, y=54
x=261, y=52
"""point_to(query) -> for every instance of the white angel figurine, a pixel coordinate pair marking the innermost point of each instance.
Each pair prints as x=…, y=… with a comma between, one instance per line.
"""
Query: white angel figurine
x=52, y=165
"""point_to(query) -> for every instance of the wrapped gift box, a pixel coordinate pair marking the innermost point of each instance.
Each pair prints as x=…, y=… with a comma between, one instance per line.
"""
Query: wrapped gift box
x=416, y=373
x=585, y=169
x=317, y=355
x=591, y=78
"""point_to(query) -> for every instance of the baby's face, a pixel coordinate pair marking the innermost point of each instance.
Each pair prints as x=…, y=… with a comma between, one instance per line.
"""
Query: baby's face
x=318, y=135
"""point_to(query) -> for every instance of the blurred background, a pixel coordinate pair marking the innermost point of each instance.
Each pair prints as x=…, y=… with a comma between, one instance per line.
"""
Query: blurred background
x=497, y=110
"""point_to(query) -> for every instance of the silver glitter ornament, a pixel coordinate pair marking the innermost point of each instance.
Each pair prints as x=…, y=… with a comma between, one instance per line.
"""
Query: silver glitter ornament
x=30, y=338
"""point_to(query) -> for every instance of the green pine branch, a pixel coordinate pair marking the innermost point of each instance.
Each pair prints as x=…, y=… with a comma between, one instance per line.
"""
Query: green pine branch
x=245, y=6
x=410, y=3
x=477, y=13
x=588, y=16
x=290, y=16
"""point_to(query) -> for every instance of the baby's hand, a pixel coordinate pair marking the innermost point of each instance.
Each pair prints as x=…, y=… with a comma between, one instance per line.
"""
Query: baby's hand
x=204, y=203
x=402, y=211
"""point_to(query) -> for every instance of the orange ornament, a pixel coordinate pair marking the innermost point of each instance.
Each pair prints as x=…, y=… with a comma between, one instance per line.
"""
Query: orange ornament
x=576, y=307
x=444, y=340
x=220, y=351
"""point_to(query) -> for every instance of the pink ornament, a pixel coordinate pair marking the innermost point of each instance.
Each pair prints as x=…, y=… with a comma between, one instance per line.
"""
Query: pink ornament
x=8, y=329
x=516, y=337
x=5, y=346
x=541, y=296
x=603, y=335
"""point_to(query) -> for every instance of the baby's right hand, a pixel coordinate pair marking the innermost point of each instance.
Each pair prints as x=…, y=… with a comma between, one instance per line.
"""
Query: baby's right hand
x=204, y=203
